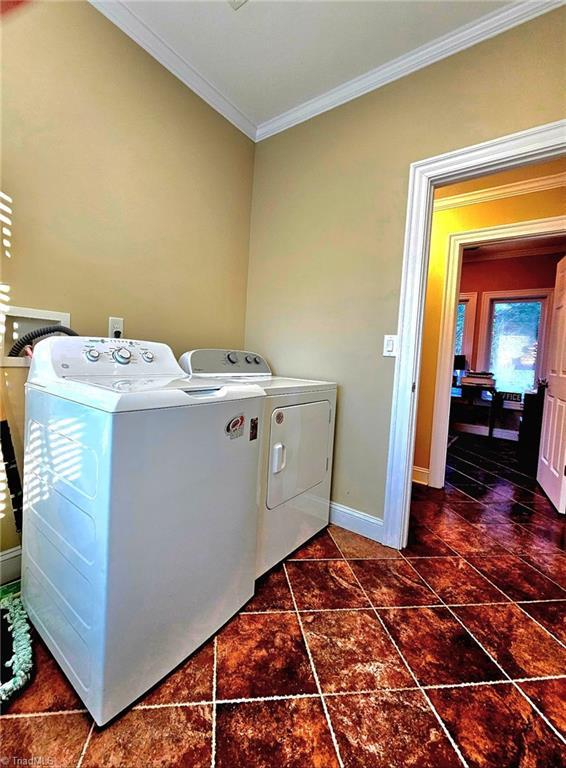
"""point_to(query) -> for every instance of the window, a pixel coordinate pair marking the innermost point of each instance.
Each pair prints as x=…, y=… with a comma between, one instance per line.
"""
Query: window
x=513, y=331
x=460, y=322
x=465, y=322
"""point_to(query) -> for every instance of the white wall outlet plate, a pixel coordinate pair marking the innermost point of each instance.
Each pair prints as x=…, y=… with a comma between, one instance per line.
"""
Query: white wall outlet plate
x=390, y=345
x=115, y=325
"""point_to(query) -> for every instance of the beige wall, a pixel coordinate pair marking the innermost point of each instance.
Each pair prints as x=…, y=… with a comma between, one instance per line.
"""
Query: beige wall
x=328, y=218
x=132, y=196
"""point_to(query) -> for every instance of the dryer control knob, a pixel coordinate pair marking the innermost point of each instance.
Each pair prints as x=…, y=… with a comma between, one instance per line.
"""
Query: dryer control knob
x=92, y=355
x=257, y=360
x=249, y=359
x=232, y=357
x=148, y=356
x=122, y=355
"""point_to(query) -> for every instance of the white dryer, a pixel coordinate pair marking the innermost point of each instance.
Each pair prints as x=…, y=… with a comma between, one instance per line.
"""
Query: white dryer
x=140, y=521
x=297, y=440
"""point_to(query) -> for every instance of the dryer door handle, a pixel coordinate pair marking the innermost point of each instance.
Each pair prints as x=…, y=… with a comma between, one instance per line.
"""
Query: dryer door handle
x=278, y=458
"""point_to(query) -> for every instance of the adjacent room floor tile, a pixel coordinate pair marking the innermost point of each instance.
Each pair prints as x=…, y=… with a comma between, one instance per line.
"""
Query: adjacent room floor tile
x=271, y=593
x=352, y=652
x=287, y=734
x=503, y=511
x=392, y=582
x=424, y=512
x=55, y=740
x=423, y=542
x=320, y=547
x=517, y=642
x=516, y=578
x=455, y=581
x=465, y=538
x=48, y=689
x=495, y=727
x=389, y=730
x=154, y=738
x=262, y=654
x=551, y=565
x=551, y=615
x=436, y=646
x=517, y=538
x=550, y=698
x=192, y=681
x=354, y=546
x=325, y=584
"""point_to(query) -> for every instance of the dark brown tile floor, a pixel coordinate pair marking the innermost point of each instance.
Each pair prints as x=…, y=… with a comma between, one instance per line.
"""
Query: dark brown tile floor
x=355, y=655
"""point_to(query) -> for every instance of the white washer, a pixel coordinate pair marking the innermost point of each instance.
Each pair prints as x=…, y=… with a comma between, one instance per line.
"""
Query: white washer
x=297, y=441
x=139, y=511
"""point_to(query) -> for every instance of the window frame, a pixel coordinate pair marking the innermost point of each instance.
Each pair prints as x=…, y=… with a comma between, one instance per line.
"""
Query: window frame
x=545, y=295
x=471, y=301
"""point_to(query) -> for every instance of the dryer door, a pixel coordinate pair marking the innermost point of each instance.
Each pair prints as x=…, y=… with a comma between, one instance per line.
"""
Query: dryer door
x=298, y=450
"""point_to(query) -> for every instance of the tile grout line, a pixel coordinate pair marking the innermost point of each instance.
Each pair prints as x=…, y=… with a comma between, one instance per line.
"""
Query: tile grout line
x=520, y=556
x=288, y=697
x=494, y=660
x=214, y=703
x=545, y=629
x=168, y=704
x=499, y=477
x=405, y=662
x=487, y=554
x=514, y=602
x=85, y=746
x=315, y=674
x=500, y=500
x=492, y=461
x=15, y=715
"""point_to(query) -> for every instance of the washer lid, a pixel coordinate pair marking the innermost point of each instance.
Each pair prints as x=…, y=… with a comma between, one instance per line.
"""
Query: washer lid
x=114, y=394
x=274, y=385
x=146, y=384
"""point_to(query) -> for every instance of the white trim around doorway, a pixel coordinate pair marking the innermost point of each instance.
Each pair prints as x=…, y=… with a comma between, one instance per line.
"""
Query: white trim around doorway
x=533, y=145
x=457, y=241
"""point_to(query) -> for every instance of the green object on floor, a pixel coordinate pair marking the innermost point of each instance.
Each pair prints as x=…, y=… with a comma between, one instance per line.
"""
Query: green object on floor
x=13, y=612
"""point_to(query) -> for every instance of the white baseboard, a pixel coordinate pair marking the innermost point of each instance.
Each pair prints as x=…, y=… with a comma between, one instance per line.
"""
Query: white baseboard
x=420, y=475
x=479, y=429
x=10, y=565
x=358, y=522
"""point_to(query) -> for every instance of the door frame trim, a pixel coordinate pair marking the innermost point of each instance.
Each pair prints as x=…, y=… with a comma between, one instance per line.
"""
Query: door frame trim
x=457, y=241
x=537, y=144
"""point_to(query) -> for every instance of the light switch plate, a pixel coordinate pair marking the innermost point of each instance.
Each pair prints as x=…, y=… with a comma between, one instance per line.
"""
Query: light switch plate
x=390, y=344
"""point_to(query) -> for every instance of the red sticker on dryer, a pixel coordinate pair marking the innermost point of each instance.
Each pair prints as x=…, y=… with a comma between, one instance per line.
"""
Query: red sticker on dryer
x=235, y=427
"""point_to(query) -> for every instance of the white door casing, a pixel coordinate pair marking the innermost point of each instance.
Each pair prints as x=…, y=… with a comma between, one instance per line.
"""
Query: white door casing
x=533, y=145
x=551, y=472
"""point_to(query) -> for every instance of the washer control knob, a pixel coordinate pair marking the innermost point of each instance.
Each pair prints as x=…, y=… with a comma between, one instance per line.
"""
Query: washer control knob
x=257, y=359
x=93, y=355
x=122, y=355
x=148, y=356
x=249, y=359
x=232, y=357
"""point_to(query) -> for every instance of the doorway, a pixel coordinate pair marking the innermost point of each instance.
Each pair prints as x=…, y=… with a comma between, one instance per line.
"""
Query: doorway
x=539, y=144
x=493, y=274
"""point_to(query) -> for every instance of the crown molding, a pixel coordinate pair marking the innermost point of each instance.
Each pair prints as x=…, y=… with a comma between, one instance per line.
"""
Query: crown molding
x=120, y=15
x=464, y=37
x=487, y=195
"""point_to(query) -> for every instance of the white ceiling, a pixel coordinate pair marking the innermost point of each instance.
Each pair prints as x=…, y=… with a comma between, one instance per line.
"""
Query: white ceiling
x=272, y=64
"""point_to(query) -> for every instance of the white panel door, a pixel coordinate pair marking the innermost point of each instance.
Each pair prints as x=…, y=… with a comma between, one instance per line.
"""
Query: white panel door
x=298, y=450
x=552, y=456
